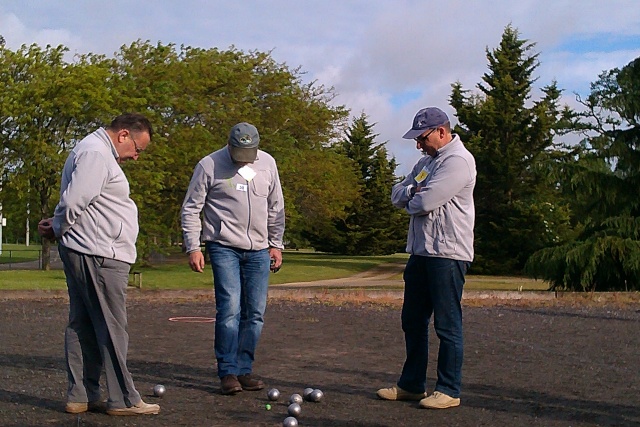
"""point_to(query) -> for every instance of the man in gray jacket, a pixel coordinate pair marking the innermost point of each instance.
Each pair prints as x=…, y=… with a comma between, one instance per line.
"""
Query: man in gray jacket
x=96, y=224
x=237, y=188
x=438, y=194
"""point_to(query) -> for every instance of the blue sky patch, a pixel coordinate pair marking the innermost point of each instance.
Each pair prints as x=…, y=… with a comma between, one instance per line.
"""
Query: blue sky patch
x=401, y=99
x=602, y=42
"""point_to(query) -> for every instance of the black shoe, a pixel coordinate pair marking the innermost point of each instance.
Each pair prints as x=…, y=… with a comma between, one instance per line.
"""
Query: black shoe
x=249, y=383
x=230, y=385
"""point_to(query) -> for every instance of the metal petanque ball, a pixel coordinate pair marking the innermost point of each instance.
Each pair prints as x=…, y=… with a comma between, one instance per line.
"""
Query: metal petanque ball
x=307, y=391
x=273, y=394
x=290, y=422
x=159, y=390
x=295, y=398
x=294, y=410
x=316, y=395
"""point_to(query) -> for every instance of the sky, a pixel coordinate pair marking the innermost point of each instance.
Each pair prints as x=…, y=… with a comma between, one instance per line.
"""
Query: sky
x=386, y=58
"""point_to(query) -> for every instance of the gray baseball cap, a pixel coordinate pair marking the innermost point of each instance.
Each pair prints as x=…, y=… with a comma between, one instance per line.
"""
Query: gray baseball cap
x=243, y=143
x=427, y=118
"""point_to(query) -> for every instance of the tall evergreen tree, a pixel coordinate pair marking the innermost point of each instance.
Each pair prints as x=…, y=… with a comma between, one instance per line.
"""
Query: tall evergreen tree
x=518, y=209
x=372, y=226
x=605, y=184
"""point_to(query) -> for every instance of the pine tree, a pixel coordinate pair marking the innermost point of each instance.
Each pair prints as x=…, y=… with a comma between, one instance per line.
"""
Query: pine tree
x=518, y=209
x=372, y=225
x=605, y=183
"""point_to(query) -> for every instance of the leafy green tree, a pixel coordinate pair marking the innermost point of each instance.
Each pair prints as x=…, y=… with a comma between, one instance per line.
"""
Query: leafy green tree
x=518, y=207
x=604, y=181
x=371, y=226
x=46, y=105
x=194, y=96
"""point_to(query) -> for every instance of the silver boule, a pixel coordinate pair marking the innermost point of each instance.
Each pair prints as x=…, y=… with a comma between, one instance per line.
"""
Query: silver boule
x=316, y=395
x=307, y=391
x=294, y=410
x=159, y=390
x=290, y=422
x=273, y=394
x=295, y=398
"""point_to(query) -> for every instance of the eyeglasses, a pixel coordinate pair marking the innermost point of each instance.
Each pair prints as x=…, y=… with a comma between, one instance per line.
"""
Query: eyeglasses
x=138, y=150
x=423, y=138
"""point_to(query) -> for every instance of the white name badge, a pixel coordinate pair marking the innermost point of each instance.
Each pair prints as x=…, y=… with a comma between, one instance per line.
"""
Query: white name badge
x=242, y=187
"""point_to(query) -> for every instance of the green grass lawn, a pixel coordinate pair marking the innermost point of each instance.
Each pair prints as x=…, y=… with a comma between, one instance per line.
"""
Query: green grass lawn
x=299, y=266
x=19, y=253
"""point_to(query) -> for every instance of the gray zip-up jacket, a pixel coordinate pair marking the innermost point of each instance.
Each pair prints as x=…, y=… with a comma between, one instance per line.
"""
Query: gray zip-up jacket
x=95, y=215
x=240, y=213
x=443, y=212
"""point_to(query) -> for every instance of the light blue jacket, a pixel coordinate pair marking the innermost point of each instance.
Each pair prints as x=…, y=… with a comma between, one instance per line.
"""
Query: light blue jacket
x=443, y=212
x=95, y=215
x=240, y=213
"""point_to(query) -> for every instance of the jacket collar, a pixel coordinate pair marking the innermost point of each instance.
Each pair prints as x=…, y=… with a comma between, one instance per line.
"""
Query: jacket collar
x=451, y=145
x=102, y=134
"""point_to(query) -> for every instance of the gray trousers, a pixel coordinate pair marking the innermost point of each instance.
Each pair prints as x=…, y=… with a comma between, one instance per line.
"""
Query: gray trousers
x=96, y=336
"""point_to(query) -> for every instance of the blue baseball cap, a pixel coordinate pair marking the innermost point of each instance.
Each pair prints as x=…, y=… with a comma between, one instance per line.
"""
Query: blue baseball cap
x=427, y=118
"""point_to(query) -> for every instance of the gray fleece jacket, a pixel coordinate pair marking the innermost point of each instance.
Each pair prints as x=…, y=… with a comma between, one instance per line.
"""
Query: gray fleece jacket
x=443, y=212
x=95, y=215
x=240, y=213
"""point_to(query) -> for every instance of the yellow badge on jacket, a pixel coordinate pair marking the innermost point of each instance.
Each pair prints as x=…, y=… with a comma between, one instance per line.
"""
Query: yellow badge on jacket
x=422, y=175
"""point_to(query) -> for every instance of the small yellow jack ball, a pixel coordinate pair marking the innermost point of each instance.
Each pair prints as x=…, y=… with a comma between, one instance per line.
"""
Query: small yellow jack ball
x=267, y=407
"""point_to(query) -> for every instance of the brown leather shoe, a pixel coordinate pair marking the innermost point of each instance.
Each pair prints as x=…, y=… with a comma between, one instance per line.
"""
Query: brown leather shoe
x=230, y=385
x=249, y=383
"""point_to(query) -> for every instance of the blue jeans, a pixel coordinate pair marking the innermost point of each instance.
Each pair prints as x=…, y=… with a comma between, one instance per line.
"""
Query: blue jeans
x=433, y=286
x=240, y=283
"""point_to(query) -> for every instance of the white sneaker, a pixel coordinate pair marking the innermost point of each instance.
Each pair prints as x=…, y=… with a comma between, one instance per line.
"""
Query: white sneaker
x=439, y=401
x=396, y=393
x=140, y=408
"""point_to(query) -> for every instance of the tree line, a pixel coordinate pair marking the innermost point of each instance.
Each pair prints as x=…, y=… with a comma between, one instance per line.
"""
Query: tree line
x=564, y=212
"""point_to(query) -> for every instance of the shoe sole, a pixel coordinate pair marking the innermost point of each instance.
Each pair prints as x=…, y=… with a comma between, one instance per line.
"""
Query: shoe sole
x=402, y=398
x=254, y=388
x=231, y=391
x=127, y=413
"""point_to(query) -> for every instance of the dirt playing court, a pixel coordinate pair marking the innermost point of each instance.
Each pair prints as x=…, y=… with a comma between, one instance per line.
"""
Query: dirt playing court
x=543, y=364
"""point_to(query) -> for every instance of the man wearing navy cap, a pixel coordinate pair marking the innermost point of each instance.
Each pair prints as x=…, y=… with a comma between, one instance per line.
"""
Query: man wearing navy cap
x=438, y=195
x=237, y=189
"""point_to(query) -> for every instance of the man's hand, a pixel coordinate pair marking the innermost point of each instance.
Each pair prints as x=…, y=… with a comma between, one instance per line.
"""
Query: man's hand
x=276, y=259
x=196, y=261
x=45, y=229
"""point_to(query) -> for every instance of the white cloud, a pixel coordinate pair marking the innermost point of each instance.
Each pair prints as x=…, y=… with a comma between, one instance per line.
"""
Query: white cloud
x=387, y=58
x=17, y=34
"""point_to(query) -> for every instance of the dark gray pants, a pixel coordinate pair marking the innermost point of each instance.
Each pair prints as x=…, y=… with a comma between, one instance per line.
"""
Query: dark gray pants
x=96, y=335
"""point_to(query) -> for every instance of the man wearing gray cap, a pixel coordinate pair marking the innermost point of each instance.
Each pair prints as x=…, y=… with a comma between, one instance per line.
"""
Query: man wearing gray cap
x=438, y=195
x=237, y=189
